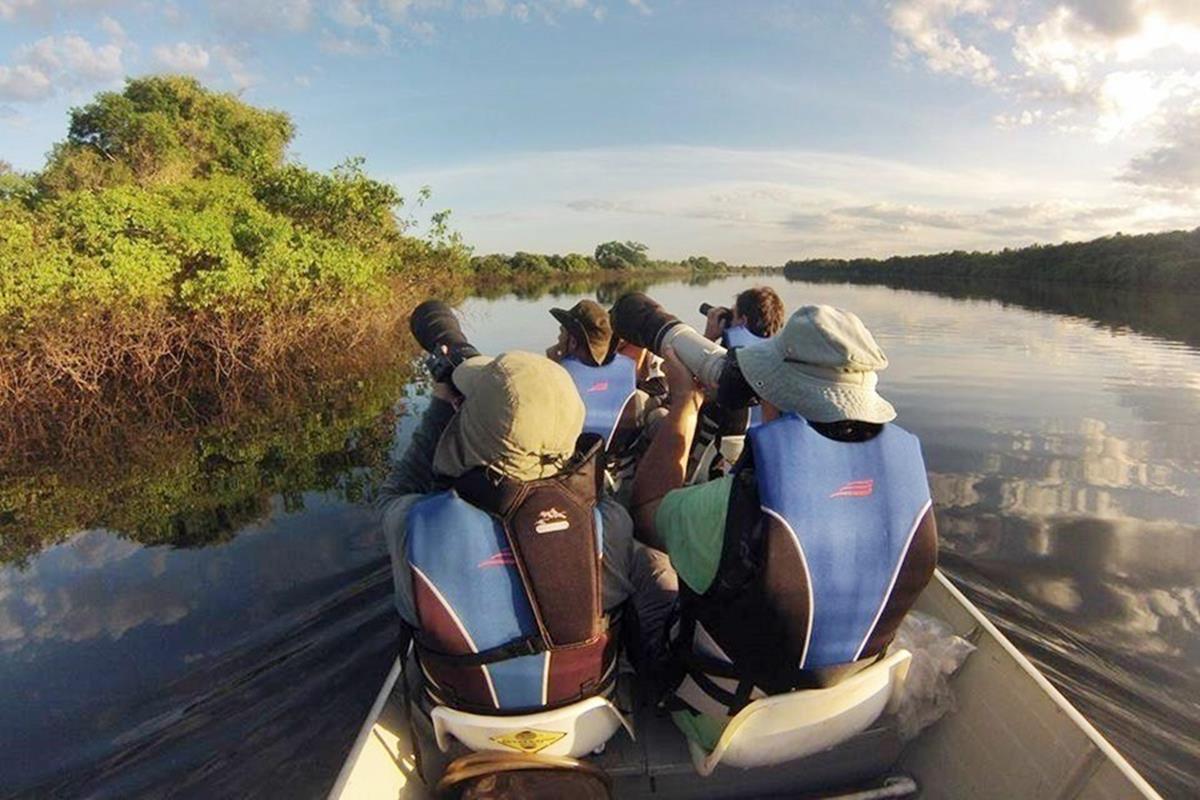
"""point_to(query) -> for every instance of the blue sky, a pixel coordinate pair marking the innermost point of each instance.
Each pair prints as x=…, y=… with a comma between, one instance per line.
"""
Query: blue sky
x=753, y=131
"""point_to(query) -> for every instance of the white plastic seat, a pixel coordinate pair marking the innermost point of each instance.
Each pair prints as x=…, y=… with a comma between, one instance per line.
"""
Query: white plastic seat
x=575, y=730
x=728, y=448
x=790, y=726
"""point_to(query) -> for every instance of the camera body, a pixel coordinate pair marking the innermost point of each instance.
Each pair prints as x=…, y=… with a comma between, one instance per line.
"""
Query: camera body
x=436, y=329
x=726, y=315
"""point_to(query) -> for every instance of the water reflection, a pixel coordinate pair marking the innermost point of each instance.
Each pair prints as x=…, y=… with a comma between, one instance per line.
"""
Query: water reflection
x=210, y=616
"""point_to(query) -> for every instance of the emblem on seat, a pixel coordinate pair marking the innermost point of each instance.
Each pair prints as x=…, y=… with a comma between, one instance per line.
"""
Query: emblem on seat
x=529, y=740
x=551, y=520
x=861, y=488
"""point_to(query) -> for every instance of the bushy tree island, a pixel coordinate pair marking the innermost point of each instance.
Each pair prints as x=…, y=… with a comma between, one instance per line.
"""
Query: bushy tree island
x=171, y=257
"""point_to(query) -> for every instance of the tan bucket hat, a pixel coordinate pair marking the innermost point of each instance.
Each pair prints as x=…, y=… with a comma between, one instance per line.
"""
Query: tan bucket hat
x=822, y=366
x=521, y=414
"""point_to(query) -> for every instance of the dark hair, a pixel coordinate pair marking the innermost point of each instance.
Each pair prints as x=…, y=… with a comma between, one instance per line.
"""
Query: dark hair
x=762, y=309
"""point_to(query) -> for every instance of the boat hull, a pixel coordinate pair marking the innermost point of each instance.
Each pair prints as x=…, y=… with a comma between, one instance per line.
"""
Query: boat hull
x=1012, y=735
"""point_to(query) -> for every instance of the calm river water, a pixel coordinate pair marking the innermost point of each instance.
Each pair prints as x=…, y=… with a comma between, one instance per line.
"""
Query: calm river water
x=1065, y=464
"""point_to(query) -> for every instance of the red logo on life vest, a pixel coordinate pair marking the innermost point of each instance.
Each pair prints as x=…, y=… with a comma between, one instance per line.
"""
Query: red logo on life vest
x=855, y=489
x=504, y=558
x=599, y=386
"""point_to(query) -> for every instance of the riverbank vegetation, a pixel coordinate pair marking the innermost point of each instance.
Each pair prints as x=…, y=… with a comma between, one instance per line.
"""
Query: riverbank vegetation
x=169, y=261
x=1167, y=261
x=615, y=259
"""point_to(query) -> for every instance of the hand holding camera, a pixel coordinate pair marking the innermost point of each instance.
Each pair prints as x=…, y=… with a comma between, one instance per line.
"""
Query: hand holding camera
x=436, y=329
x=718, y=318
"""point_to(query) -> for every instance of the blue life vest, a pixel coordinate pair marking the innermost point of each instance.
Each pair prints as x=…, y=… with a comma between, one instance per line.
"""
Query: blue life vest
x=605, y=391
x=852, y=509
x=827, y=546
x=471, y=599
x=739, y=336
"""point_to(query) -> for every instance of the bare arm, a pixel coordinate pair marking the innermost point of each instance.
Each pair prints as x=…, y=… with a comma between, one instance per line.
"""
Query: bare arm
x=664, y=466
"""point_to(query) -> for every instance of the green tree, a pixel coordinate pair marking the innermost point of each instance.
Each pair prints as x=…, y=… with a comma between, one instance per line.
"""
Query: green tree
x=14, y=185
x=621, y=255
x=163, y=128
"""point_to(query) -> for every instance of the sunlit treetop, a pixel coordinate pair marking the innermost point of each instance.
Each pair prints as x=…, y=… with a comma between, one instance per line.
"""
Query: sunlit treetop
x=163, y=128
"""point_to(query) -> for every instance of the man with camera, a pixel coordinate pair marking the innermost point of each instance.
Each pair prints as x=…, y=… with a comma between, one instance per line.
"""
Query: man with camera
x=757, y=313
x=796, y=569
x=493, y=518
x=606, y=379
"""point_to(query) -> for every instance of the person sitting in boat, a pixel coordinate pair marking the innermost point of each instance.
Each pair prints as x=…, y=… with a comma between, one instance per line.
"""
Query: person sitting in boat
x=606, y=379
x=507, y=559
x=796, y=569
x=756, y=314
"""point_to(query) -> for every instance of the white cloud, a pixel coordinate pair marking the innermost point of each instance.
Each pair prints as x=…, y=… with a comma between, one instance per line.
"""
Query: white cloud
x=926, y=28
x=182, y=57
x=24, y=83
x=1174, y=165
x=113, y=28
x=641, y=7
x=265, y=16
x=51, y=64
x=1114, y=68
x=768, y=206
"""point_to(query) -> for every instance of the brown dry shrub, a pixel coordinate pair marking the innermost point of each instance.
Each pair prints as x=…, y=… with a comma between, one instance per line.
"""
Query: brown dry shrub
x=94, y=372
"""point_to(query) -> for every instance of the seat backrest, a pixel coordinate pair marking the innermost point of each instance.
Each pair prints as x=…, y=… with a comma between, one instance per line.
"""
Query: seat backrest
x=790, y=726
x=575, y=730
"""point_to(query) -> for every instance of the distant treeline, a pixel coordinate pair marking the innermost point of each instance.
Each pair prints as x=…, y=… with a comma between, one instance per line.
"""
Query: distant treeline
x=611, y=257
x=1148, y=261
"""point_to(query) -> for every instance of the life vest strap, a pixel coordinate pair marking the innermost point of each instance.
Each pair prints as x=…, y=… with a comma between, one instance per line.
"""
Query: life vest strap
x=702, y=668
x=528, y=646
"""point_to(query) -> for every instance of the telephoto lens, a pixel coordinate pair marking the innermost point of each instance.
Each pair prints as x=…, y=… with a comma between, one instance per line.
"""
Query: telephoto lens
x=436, y=329
x=642, y=321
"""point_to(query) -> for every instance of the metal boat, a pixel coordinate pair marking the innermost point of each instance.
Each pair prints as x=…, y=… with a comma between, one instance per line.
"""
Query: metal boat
x=1011, y=736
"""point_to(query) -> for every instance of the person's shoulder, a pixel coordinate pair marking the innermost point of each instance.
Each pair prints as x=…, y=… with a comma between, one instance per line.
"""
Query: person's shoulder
x=689, y=505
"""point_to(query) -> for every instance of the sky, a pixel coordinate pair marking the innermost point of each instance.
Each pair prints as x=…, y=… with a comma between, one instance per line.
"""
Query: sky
x=752, y=131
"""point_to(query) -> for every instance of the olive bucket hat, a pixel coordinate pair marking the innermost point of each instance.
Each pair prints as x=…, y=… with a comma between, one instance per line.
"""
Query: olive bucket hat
x=822, y=366
x=588, y=322
x=520, y=414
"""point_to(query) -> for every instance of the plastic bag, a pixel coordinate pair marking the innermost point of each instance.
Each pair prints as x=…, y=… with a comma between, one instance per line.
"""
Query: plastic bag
x=936, y=654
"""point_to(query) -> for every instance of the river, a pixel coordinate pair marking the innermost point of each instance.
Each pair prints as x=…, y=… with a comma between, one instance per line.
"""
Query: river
x=228, y=637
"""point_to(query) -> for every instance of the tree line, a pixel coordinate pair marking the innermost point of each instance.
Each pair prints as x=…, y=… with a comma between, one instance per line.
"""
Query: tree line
x=1147, y=261
x=608, y=257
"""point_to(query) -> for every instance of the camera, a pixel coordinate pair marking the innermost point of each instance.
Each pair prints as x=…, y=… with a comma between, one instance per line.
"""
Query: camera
x=726, y=315
x=638, y=319
x=436, y=329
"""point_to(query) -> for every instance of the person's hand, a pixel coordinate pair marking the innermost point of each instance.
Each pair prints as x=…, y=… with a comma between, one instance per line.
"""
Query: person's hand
x=718, y=319
x=683, y=388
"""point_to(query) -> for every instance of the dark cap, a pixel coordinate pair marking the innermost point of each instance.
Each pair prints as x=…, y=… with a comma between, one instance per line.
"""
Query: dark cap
x=588, y=322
